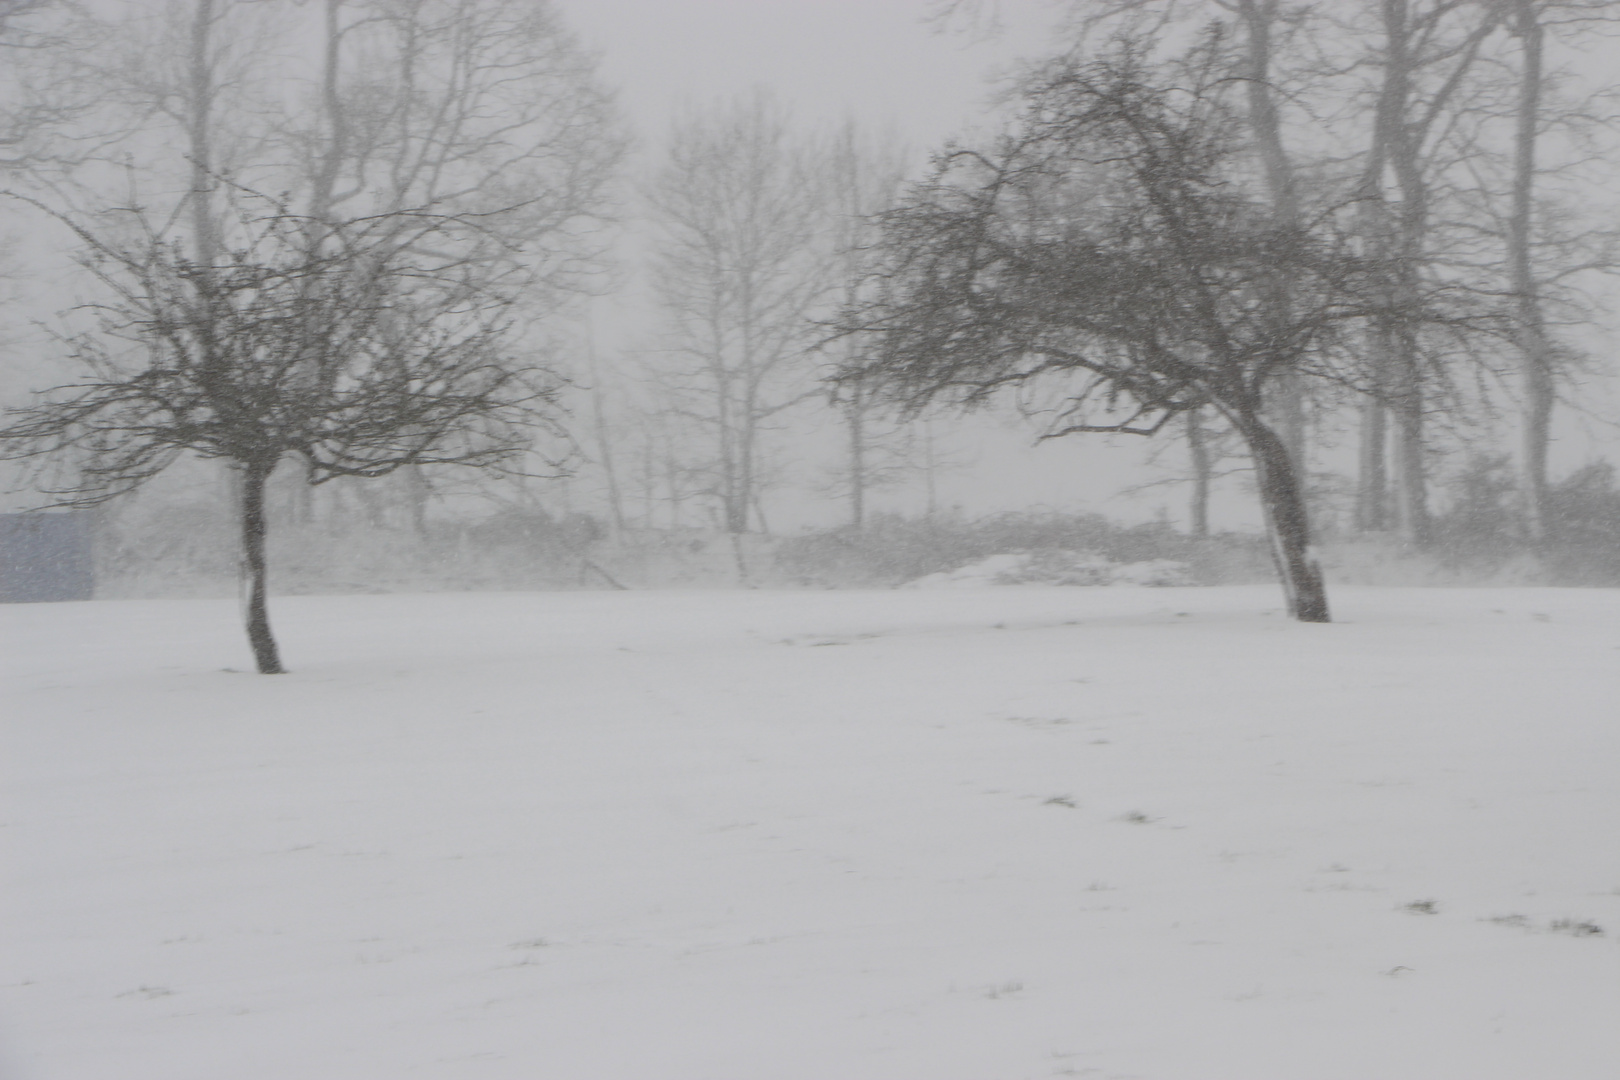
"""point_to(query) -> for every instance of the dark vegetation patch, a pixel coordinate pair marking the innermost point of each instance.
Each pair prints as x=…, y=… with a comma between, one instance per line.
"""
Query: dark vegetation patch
x=1483, y=532
x=892, y=550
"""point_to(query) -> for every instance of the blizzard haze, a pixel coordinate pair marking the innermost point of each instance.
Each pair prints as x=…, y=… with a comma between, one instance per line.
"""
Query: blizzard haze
x=655, y=707
x=878, y=62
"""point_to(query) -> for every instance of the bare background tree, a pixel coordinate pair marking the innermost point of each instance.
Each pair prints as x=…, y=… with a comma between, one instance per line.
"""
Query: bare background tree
x=1451, y=104
x=742, y=263
x=357, y=358
x=453, y=159
x=866, y=174
x=1110, y=243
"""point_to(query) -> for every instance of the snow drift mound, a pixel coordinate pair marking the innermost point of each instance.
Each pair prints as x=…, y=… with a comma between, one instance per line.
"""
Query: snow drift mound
x=1056, y=567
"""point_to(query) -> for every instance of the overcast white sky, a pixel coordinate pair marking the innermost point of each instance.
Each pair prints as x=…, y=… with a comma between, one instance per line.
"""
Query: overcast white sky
x=874, y=60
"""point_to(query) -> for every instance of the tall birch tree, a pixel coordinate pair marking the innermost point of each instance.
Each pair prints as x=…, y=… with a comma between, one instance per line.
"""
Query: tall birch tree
x=742, y=261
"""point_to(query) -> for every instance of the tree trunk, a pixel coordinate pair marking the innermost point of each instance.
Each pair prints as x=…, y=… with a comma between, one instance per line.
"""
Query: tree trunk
x=1411, y=487
x=604, y=445
x=736, y=513
x=649, y=476
x=200, y=88
x=1288, y=406
x=856, y=412
x=930, y=472
x=672, y=484
x=1403, y=123
x=332, y=156
x=1534, y=354
x=1536, y=435
x=1202, y=468
x=417, y=493
x=1372, y=474
x=254, y=477
x=1401, y=139
x=740, y=559
x=1372, y=481
x=604, y=437
x=1287, y=523
x=1259, y=17
x=734, y=481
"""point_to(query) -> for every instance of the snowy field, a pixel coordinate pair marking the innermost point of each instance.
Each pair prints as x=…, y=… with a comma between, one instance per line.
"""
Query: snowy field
x=978, y=834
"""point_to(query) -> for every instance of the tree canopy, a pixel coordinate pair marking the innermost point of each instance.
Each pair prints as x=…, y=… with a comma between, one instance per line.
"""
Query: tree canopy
x=1111, y=251
x=356, y=356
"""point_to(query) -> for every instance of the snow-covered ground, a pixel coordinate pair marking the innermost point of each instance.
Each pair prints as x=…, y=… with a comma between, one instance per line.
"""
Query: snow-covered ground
x=906, y=835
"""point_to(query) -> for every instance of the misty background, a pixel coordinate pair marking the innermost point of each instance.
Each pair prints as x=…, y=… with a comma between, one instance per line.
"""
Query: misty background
x=651, y=476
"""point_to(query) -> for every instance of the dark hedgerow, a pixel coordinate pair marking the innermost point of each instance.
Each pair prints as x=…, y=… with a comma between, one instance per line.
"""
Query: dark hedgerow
x=892, y=550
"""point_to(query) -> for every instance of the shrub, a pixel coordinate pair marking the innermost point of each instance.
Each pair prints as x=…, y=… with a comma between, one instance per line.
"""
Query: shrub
x=893, y=550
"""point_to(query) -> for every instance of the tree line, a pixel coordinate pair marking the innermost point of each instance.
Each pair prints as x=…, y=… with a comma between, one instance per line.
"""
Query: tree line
x=1419, y=187
x=353, y=238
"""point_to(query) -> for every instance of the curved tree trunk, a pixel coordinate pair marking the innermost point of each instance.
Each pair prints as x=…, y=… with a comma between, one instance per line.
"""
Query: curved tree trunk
x=1287, y=523
x=265, y=654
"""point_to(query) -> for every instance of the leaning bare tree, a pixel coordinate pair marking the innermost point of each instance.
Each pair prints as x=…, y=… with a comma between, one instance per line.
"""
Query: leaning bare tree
x=355, y=357
x=1115, y=245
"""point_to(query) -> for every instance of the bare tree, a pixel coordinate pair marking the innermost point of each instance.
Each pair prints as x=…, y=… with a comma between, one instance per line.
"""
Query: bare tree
x=486, y=109
x=484, y=112
x=169, y=97
x=665, y=470
x=1534, y=347
x=1209, y=446
x=356, y=359
x=483, y=119
x=1426, y=52
x=1109, y=245
x=865, y=177
x=1423, y=53
x=1539, y=263
x=742, y=262
x=1263, y=28
x=1457, y=113
x=20, y=118
x=1262, y=22
x=45, y=91
x=1260, y=41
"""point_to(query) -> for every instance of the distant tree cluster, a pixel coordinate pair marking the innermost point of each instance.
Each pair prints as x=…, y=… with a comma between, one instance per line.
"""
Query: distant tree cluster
x=343, y=270
x=1340, y=246
x=757, y=230
x=1269, y=216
